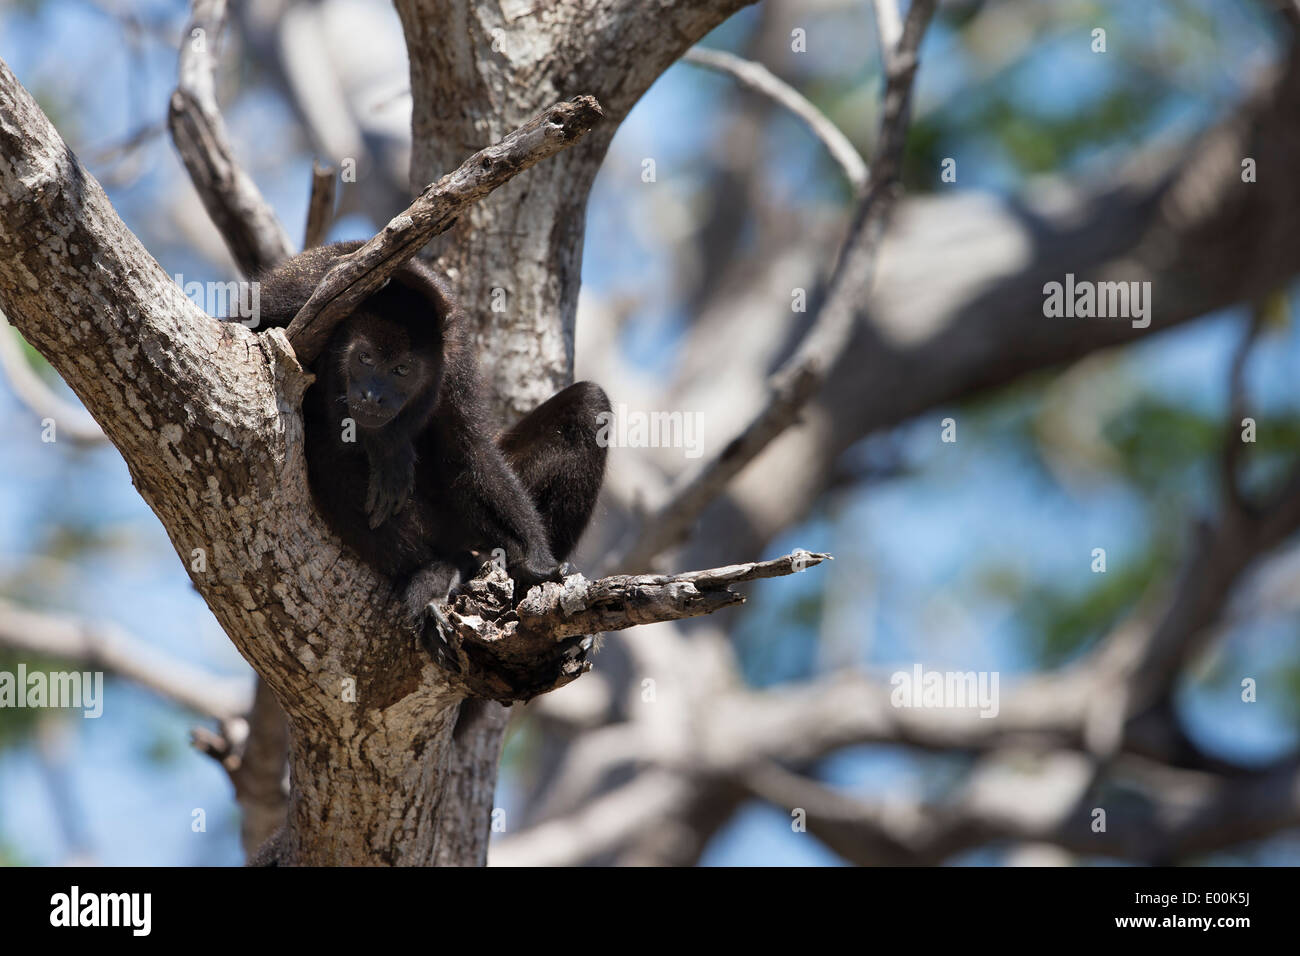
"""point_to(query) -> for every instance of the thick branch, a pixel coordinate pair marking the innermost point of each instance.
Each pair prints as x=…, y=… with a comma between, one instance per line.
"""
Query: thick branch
x=204, y=414
x=246, y=221
x=607, y=823
x=1230, y=457
x=1181, y=814
x=357, y=275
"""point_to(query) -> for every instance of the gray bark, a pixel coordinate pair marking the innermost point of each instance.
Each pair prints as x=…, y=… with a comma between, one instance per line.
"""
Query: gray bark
x=205, y=415
x=526, y=238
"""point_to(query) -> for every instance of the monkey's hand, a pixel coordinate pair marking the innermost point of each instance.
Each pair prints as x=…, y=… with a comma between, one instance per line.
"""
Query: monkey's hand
x=392, y=479
x=534, y=568
x=428, y=590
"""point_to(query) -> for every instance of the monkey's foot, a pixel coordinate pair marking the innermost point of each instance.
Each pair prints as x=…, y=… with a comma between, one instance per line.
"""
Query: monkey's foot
x=441, y=624
x=436, y=632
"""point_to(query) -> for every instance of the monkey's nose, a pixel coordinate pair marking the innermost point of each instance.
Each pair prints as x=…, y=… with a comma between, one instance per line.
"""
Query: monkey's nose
x=371, y=396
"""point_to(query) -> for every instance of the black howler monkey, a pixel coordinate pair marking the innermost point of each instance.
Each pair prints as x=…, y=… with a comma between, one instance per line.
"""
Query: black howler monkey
x=401, y=456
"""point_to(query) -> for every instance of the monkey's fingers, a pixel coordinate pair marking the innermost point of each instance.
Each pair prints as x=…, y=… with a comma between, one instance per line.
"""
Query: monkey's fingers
x=382, y=505
x=441, y=625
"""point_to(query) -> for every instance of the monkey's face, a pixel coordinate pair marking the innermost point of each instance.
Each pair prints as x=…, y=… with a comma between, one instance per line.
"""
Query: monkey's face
x=384, y=373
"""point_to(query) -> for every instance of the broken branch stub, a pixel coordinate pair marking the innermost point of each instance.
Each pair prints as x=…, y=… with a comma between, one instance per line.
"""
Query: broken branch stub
x=495, y=649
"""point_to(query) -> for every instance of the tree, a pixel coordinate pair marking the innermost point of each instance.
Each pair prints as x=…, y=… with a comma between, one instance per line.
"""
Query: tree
x=401, y=773
x=370, y=719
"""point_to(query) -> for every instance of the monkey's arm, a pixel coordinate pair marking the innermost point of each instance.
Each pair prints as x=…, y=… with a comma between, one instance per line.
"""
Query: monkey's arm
x=499, y=506
x=392, y=479
x=429, y=587
x=488, y=499
x=283, y=290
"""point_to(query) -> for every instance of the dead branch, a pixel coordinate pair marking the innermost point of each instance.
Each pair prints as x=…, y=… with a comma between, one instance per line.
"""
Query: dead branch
x=357, y=275
x=320, y=209
x=760, y=79
x=245, y=220
x=803, y=373
x=504, y=652
x=32, y=391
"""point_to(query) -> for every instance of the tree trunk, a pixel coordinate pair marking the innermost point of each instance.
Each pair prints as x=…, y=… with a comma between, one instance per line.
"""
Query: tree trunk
x=516, y=260
x=207, y=414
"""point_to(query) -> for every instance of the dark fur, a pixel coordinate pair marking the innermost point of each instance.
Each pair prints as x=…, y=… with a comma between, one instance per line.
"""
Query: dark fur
x=417, y=496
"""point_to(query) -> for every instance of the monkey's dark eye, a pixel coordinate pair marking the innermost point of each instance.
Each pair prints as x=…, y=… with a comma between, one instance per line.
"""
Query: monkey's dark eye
x=402, y=369
x=366, y=359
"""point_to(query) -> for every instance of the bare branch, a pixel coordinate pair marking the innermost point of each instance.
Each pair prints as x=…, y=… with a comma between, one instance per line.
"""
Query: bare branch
x=506, y=653
x=246, y=221
x=359, y=274
x=889, y=27
x=32, y=391
x=760, y=79
x=1230, y=458
x=259, y=778
x=1185, y=813
x=320, y=209
x=1136, y=667
x=621, y=601
x=128, y=341
x=253, y=750
x=605, y=824
x=930, y=339
x=99, y=645
x=800, y=377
